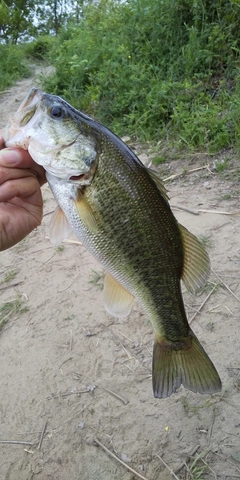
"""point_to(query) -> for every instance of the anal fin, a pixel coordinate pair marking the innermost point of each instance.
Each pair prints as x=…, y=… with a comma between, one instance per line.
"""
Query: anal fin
x=117, y=300
x=184, y=362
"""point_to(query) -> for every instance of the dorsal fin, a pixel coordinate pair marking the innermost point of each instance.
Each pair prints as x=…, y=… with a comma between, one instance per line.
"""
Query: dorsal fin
x=117, y=300
x=85, y=213
x=196, y=261
x=159, y=183
x=59, y=227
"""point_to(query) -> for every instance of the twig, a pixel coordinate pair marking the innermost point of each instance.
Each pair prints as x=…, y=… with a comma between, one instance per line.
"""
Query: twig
x=11, y=285
x=201, y=210
x=208, y=466
x=71, y=339
x=171, y=471
x=74, y=242
x=71, y=418
x=124, y=400
x=48, y=213
x=211, y=426
x=16, y=442
x=178, y=207
x=56, y=395
x=217, y=212
x=172, y=177
x=41, y=436
x=118, y=459
x=225, y=285
x=188, y=455
x=202, y=305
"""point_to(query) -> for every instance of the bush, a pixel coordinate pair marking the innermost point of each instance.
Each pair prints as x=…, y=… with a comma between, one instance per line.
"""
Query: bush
x=40, y=49
x=154, y=69
x=13, y=65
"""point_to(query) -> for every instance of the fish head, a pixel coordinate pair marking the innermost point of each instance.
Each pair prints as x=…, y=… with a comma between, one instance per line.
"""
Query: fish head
x=49, y=129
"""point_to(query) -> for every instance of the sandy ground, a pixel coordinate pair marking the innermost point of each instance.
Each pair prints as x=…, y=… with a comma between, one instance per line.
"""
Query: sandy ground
x=71, y=374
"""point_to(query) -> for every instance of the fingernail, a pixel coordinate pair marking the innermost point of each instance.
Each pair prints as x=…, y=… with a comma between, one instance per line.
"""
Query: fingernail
x=11, y=156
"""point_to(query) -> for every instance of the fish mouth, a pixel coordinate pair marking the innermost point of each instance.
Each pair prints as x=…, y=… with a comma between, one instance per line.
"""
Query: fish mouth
x=14, y=134
x=31, y=99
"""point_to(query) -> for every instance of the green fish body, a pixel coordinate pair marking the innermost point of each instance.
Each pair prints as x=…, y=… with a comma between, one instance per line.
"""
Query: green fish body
x=120, y=212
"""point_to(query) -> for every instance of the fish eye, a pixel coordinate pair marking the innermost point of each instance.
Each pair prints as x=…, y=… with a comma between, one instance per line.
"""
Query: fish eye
x=57, y=111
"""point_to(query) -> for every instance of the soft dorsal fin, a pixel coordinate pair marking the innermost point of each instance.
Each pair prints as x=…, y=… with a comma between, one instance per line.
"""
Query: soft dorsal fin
x=159, y=183
x=196, y=261
x=85, y=213
x=59, y=227
x=117, y=300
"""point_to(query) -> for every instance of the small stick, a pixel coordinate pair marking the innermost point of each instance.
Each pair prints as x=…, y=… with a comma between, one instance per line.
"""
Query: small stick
x=211, y=426
x=48, y=213
x=208, y=466
x=225, y=285
x=189, y=455
x=71, y=339
x=185, y=173
x=118, y=459
x=74, y=242
x=194, y=212
x=41, y=437
x=71, y=418
x=171, y=471
x=124, y=400
x=56, y=395
x=16, y=442
x=218, y=212
x=202, y=305
x=11, y=285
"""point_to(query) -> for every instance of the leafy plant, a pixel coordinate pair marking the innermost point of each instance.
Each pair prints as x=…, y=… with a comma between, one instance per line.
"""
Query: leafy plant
x=9, y=308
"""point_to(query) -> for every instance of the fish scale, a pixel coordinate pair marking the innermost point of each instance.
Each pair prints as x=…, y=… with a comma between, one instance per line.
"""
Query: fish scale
x=120, y=212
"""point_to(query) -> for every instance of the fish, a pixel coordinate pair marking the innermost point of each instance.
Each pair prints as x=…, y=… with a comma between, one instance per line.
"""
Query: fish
x=120, y=211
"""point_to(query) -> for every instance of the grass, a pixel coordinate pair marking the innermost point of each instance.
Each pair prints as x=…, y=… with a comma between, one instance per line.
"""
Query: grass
x=10, y=308
x=206, y=241
x=9, y=276
x=60, y=248
x=97, y=278
x=197, y=469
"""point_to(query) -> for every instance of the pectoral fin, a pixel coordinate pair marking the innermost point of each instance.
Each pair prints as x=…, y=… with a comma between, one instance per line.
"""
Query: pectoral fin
x=85, y=213
x=59, y=227
x=117, y=300
x=196, y=261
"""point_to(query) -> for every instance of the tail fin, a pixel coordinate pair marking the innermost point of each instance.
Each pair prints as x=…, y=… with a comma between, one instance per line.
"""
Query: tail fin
x=184, y=362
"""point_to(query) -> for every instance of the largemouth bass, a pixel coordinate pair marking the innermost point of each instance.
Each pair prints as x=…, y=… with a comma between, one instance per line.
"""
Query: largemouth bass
x=119, y=210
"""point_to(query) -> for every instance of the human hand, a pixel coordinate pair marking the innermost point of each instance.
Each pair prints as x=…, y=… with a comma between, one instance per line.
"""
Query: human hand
x=21, y=204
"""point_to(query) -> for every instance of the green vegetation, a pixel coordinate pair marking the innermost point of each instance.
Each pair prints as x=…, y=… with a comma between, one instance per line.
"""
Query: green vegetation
x=9, y=276
x=9, y=308
x=97, y=279
x=12, y=65
x=165, y=71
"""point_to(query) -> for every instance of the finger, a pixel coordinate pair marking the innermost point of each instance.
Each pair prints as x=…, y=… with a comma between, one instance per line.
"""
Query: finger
x=23, y=188
x=1, y=142
x=7, y=174
x=19, y=158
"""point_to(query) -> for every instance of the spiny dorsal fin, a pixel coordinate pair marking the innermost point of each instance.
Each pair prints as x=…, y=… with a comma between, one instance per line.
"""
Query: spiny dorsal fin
x=159, y=183
x=85, y=213
x=59, y=227
x=196, y=267
x=117, y=300
x=184, y=362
